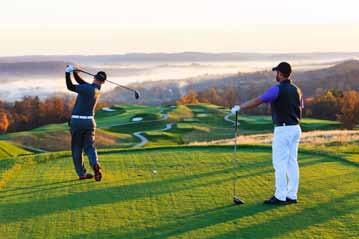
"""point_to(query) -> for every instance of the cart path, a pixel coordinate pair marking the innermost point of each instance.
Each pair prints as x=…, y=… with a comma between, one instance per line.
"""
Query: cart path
x=143, y=139
x=226, y=118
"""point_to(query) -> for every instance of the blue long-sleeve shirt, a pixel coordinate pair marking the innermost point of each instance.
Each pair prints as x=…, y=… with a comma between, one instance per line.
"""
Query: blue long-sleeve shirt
x=87, y=95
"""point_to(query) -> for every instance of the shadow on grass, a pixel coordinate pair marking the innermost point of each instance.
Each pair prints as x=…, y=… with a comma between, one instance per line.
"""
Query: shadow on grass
x=38, y=188
x=275, y=227
x=202, y=219
x=6, y=164
x=265, y=165
x=19, y=211
x=299, y=221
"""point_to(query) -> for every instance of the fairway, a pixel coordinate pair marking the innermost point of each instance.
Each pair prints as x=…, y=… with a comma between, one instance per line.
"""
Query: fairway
x=190, y=197
x=189, y=124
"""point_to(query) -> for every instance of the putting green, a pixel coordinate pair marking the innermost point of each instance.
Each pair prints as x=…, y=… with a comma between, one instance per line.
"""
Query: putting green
x=190, y=197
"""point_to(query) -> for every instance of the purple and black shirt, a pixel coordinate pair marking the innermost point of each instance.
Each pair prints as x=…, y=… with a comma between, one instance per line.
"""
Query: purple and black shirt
x=286, y=102
x=272, y=94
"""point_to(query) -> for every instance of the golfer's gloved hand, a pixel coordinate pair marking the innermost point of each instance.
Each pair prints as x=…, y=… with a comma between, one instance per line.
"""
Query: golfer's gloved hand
x=235, y=109
x=70, y=68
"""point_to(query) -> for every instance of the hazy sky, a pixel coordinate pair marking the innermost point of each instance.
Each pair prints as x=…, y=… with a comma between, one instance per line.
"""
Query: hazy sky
x=114, y=26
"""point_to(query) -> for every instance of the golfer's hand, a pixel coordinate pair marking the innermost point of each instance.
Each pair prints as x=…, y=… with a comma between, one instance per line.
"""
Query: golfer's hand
x=70, y=68
x=235, y=109
x=76, y=67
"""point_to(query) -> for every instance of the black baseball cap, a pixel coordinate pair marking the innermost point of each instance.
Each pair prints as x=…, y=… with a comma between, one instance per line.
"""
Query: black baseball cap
x=283, y=67
x=101, y=76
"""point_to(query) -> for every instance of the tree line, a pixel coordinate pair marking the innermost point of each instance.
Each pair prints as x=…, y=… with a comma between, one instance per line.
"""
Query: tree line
x=342, y=106
x=337, y=105
x=31, y=112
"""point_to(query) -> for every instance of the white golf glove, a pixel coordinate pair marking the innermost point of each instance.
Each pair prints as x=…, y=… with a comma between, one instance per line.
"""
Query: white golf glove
x=70, y=68
x=235, y=109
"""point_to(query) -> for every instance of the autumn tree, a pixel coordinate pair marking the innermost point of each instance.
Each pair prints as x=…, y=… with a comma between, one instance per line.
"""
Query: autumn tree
x=209, y=96
x=349, y=108
x=230, y=97
x=31, y=112
x=325, y=106
x=4, y=122
x=190, y=98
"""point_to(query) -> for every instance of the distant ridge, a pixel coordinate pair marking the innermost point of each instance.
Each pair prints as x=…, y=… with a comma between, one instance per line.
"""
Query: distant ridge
x=342, y=76
x=182, y=56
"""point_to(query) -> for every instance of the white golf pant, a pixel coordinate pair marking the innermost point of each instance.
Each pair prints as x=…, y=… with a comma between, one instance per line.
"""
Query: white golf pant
x=285, y=152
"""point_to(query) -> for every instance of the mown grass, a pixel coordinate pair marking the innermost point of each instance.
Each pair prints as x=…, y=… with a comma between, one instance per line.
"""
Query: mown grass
x=347, y=150
x=127, y=112
x=8, y=149
x=159, y=138
x=263, y=124
x=9, y=162
x=141, y=126
x=180, y=112
x=205, y=122
x=190, y=197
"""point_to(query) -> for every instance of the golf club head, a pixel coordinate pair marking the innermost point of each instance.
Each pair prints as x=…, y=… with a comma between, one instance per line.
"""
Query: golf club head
x=237, y=201
x=137, y=95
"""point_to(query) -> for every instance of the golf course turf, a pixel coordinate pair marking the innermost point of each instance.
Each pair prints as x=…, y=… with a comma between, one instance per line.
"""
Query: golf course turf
x=189, y=197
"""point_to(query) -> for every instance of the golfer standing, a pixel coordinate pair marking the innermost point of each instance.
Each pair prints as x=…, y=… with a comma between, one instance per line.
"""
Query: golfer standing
x=82, y=122
x=286, y=103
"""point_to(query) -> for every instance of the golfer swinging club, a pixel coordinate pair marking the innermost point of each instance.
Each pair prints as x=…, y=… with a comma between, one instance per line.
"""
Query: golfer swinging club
x=286, y=103
x=82, y=122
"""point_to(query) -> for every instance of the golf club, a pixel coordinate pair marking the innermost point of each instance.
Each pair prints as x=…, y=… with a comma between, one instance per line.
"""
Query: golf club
x=236, y=199
x=137, y=94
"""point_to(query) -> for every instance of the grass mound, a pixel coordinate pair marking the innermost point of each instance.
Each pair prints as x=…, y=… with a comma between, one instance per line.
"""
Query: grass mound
x=140, y=126
x=179, y=113
x=117, y=110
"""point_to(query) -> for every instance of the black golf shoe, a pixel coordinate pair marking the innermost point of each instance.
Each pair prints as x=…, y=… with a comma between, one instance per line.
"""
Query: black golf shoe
x=274, y=201
x=98, y=174
x=86, y=176
x=290, y=201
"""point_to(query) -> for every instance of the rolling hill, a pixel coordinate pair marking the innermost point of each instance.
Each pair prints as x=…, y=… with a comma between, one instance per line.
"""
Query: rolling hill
x=187, y=124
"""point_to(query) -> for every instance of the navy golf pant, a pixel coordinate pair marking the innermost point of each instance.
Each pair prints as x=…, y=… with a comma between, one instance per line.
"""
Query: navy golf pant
x=83, y=140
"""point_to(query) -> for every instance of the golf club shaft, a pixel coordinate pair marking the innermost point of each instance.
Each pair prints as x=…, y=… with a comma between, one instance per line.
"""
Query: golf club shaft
x=124, y=87
x=235, y=154
x=88, y=73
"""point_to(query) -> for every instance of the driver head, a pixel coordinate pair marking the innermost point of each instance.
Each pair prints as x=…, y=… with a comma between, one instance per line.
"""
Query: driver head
x=137, y=95
x=237, y=201
x=100, y=77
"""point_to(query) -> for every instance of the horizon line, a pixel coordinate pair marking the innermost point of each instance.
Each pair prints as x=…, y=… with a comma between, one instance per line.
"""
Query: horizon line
x=189, y=52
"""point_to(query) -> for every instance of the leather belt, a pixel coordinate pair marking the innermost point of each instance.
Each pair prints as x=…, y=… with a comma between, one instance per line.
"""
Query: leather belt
x=284, y=124
x=81, y=117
